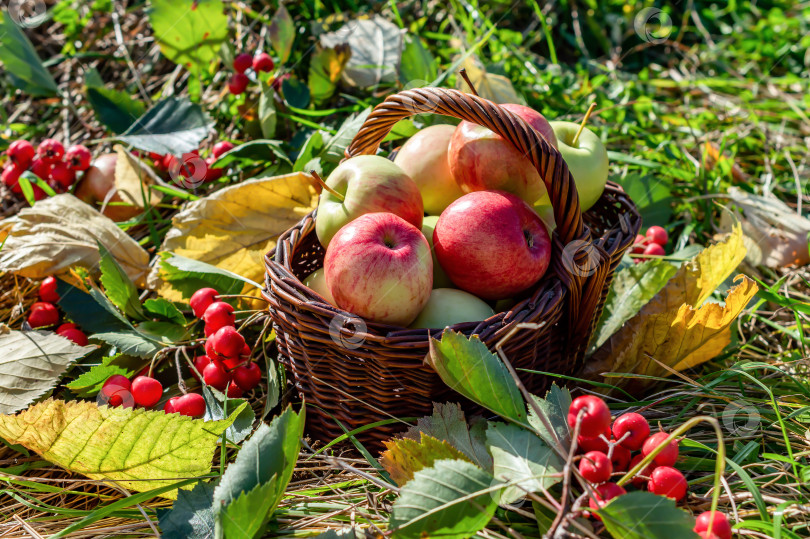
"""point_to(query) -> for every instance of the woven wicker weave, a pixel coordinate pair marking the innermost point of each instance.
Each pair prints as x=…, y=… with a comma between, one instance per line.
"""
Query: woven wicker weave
x=355, y=372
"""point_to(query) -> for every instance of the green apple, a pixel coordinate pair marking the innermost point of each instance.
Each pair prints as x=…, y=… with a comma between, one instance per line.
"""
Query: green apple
x=546, y=213
x=366, y=184
x=424, y=158
x=449, y=306
x=587, y=161
x=317, y=282
x=440, y=278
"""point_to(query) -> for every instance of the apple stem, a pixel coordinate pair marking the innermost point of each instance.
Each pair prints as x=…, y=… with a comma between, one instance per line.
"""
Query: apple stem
x=582, y=125
x=463, y=73
x=323, y=184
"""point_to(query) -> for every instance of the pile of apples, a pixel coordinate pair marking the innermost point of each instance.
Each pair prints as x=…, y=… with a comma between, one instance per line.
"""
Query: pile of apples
x=49, y=161
x=449, y=228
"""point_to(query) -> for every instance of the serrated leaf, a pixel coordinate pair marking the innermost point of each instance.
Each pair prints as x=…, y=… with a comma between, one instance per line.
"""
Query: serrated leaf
x=247, y=515
x=174, y=125
x=140, y=449
x=453, y=499
x=521, y=460
x=191, y=515
x=642, y=515
x=404, y=456
x=631, y=289
x=120, y=289
x=325, y=69
x=215, y=405
x=555, y=407
x=186, y=276
x=376, y=45
x=267, y=110
x=417, y=64
x=132, y=343
x=31, y=364
x=282, y=33
x=336, y=144
x=90, y=315
x=449, y=424
x=21, y=62
x=189, y=32
x=165, y=309
x=116, y=110
x=90, y=382
x=468, y=367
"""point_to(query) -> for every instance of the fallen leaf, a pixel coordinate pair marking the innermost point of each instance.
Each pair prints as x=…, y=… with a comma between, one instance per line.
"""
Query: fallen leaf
x=31, y=364
x=496, y=88
x=325, y=69
x=376, y=47
x=133, y=179
x=138, y=449
x=404, y=456
x=235, y=227
x=62, y=231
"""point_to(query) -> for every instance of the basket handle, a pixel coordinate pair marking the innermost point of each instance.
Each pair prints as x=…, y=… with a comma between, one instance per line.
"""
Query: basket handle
x=545, y=158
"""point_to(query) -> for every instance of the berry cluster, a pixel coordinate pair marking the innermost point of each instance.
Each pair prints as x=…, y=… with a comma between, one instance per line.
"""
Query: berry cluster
x=226, y=364
x=244, y=61
x=650, y=244
x=608, y=449
x=146, y=391
x=44, y=313
x=191, y=164
x=49, y=161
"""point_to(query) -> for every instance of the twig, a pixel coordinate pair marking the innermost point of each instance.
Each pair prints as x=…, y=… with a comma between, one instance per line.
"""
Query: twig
x=463, y=73
x=325, y=186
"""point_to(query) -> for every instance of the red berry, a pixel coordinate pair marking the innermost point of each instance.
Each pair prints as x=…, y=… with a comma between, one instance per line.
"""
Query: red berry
x=246, y=351
x=78, y=157
x=75, y=335
x=242, y=62
x=620, y=458
x=117, y=391
x=238, y=83
x=593, y=444
x=212, y=173
x=215, y=375
x=66, y=325
x=190, y=404
x=233, y=391
x=11, y=177
x=169, y=407
x=667, y=456
x=146, y=391
x=595, y=467
x=209, y=330
x=656, y=234
x=227, y=342
x=202, y=299
x=62, y=175
x=218, y=315
x=41, y=169
x=716, y=523
x=263, y=62
x=50, y=150
x=221, y=148
x=636, y=426
x=638, y=244
x=44, y=315
x=595, y=415
x=21, y=153
x=248, y=376
x=655, y=250
x=209, y=350
x=278, y=81
x=669, y=482
x=200, y=363
x=47, y=290
x=638, y=482
x=603, y=494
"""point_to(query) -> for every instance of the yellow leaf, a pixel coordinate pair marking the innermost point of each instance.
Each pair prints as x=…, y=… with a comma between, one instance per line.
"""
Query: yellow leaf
x=139, y=449
x=133, y=178
x=496, y=88
x=405, y=456
x=234, y=228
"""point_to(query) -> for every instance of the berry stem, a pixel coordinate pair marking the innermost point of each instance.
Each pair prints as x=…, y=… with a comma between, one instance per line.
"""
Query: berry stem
x=323, y=184
x=180, y=383
x=582, y=125
x=463, y=73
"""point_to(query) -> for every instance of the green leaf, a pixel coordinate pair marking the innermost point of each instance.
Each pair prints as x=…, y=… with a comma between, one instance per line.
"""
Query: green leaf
x=140, y=449
x=165, y=332
x=189, y=32
x=336, y=144
x=295, y=92
x=522, y=460
x=325, y=69
x=31, y=364
x=165, y=309
x=267, y=110
x=453, y=500
x=652, y=196
x=468, y=367
x=247, y=515
x=83, y=309
x=632, y=288
x=21, y=62
x=132, y=343
x=404, y=457
x=120, y=289
x=555, y=408
x=187, y=276
x=89, y=383
x=191, y=515
x=174, y=125
x=308, y=151
x=115, y=109
x=282, y=33
x=215, y=407
x=417, y=63
x=254, y=152
x=642, y=515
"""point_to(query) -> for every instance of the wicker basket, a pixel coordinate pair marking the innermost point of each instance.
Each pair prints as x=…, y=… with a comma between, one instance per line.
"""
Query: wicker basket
x=356, y=373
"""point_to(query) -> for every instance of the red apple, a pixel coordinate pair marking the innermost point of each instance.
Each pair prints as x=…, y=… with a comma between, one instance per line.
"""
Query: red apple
x=492, y=244
x=379, y=267
x=482, y=160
